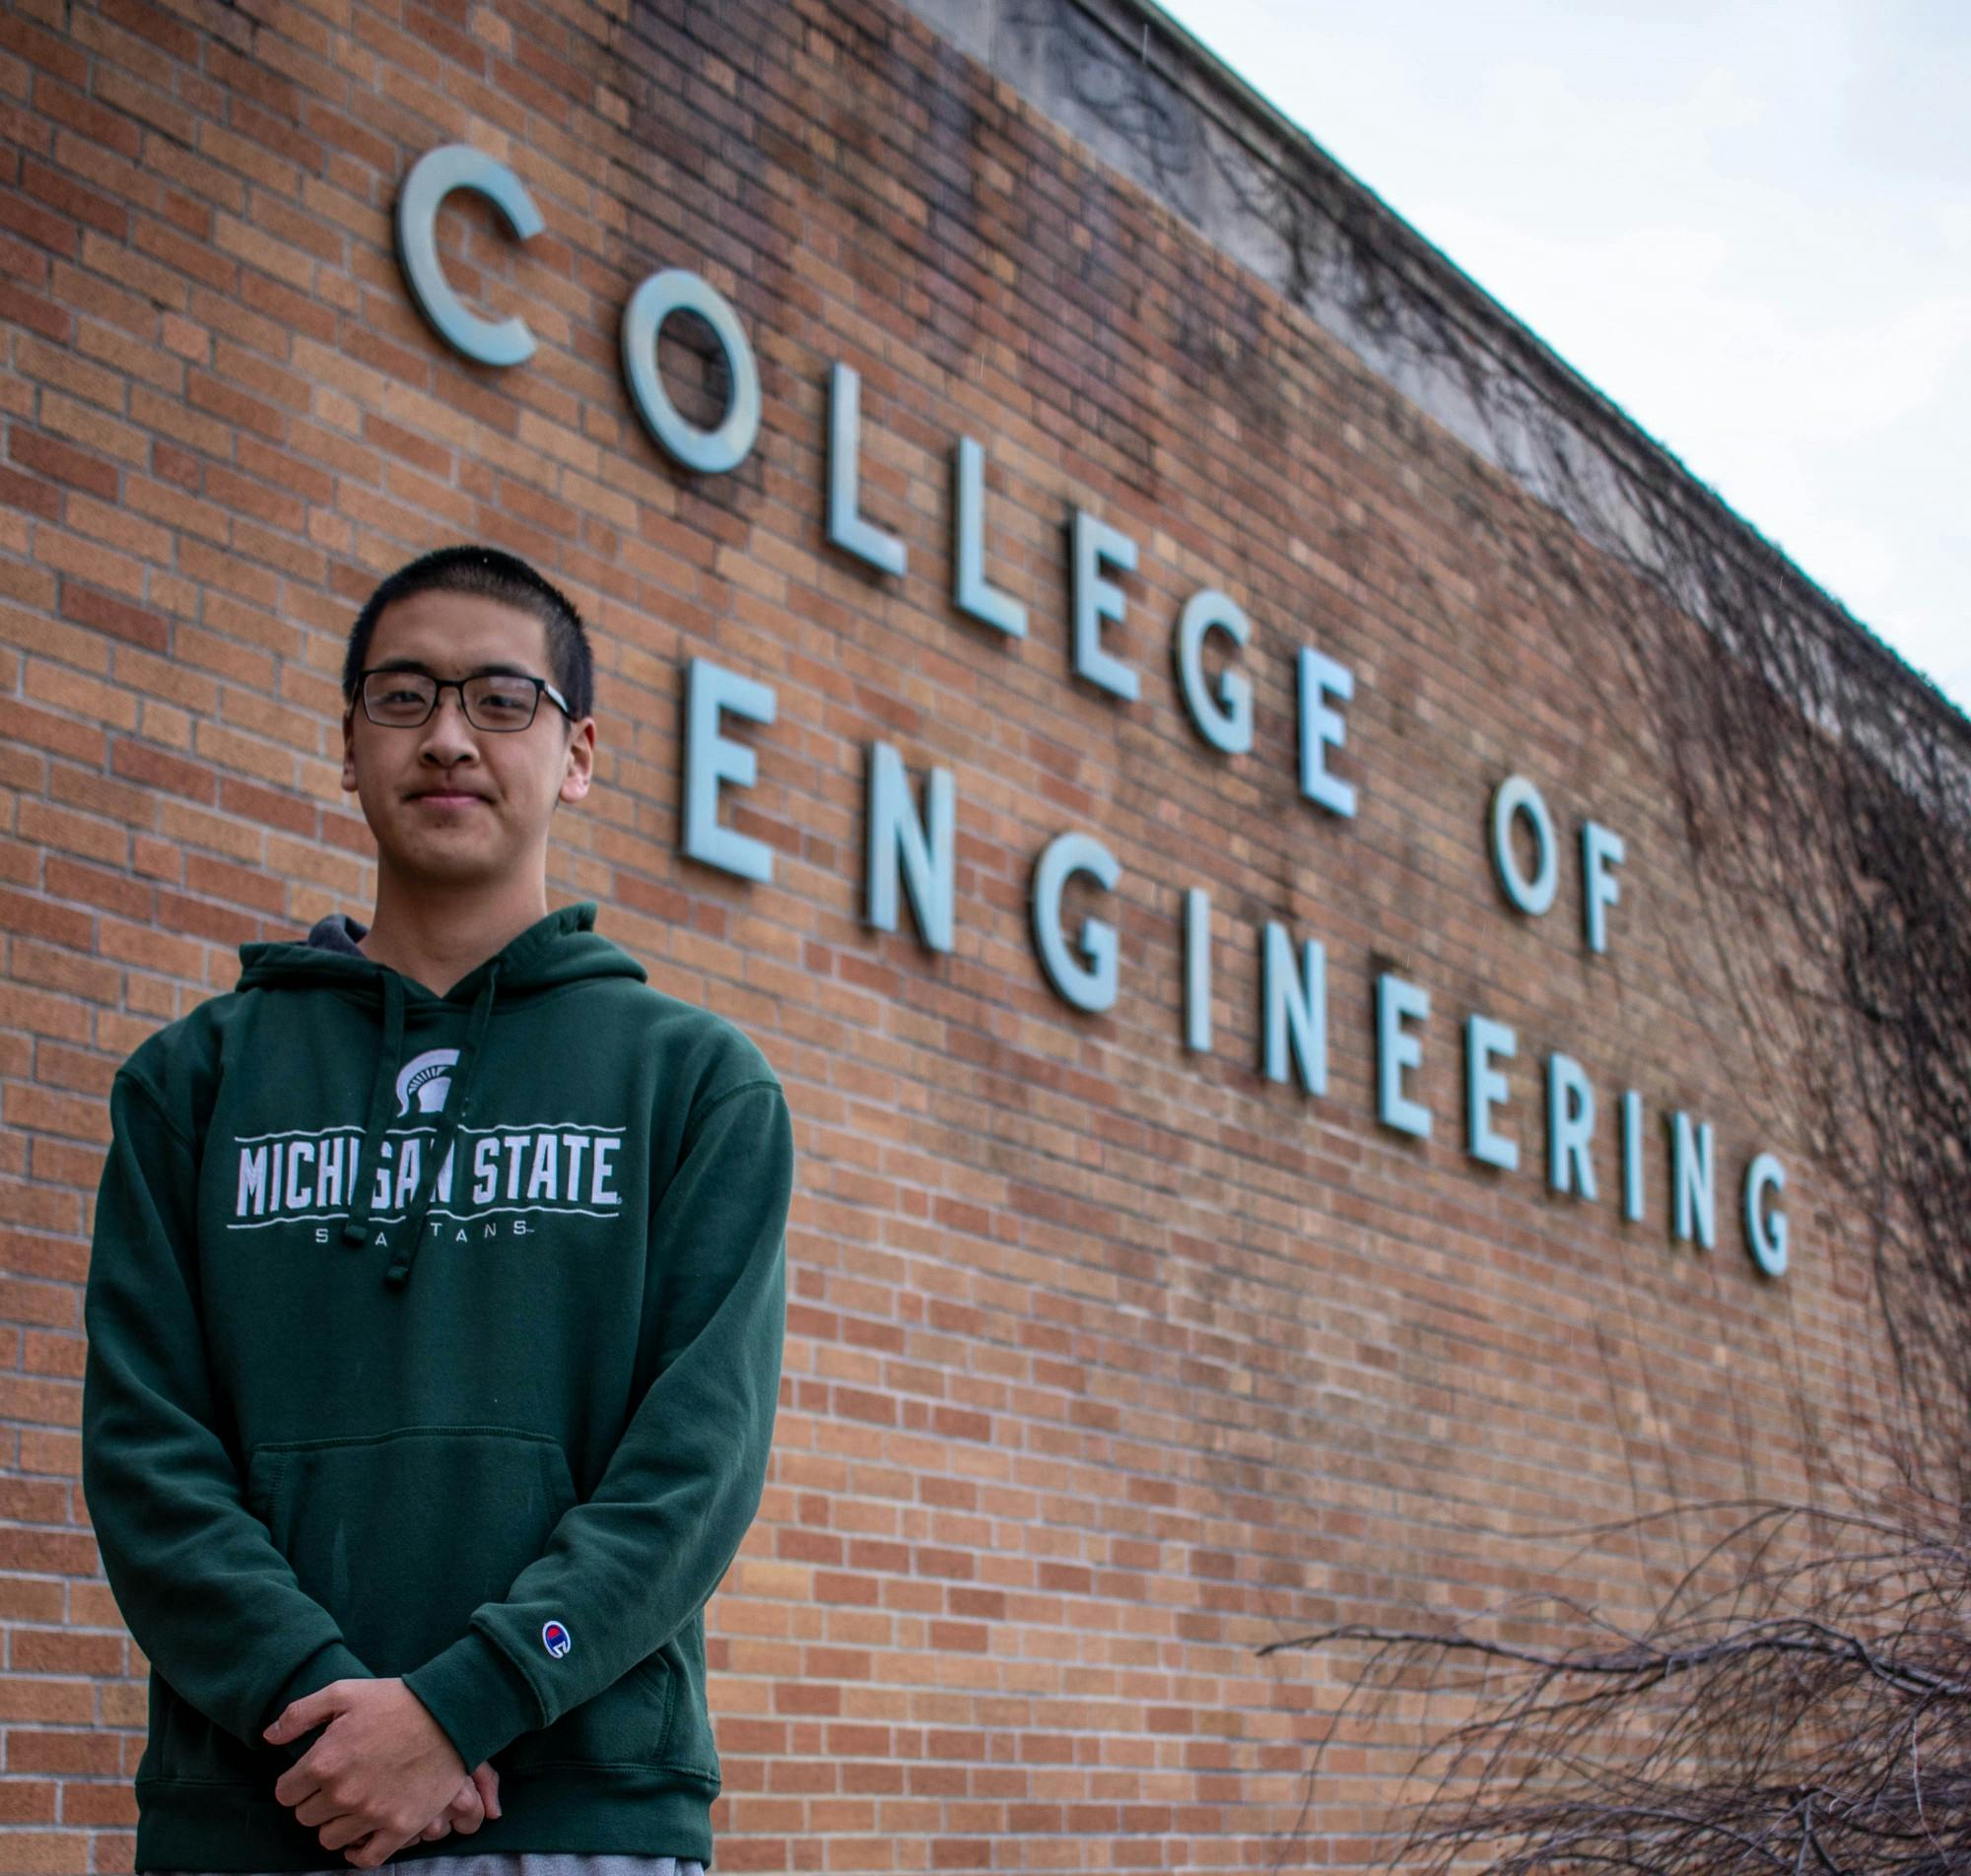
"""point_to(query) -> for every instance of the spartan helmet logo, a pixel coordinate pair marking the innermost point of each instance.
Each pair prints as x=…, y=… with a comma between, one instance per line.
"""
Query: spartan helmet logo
x=428, y=1078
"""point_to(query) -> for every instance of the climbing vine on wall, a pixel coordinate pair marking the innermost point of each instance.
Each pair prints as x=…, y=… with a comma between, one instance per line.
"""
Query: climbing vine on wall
x=1801, y=1698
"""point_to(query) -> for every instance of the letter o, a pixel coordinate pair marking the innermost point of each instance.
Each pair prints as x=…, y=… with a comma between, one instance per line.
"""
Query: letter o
x=708, y=451
x=1516, y=795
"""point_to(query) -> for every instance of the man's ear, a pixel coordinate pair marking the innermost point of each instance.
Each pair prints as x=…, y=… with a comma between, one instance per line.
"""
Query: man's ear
x=581, y=758
x=349, y=750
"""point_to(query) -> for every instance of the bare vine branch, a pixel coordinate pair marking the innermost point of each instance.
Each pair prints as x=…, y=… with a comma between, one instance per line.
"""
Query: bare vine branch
x=1801, y=1700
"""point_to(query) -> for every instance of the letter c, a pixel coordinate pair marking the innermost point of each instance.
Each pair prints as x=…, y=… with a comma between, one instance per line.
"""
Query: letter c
x=432, y=177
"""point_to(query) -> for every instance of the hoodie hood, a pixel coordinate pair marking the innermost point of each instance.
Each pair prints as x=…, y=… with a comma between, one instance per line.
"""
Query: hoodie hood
x=559, y=949
x=338, y=932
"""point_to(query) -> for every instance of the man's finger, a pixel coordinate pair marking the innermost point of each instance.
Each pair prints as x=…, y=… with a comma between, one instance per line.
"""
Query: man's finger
x=488, y=1781
x=387, y=1841
x=319, y=1810
x=304, y=1786
x=340, y=1831
x=311, y=1709
x=467, y=1811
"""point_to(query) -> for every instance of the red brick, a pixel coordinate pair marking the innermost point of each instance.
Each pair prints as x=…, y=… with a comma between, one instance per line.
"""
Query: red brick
x=267, y=806
x=41, y=51
x=99, y=794
x=107, y=889
x=177, y=912
x=79, y=694
x=174, y=465
x=157, y=860
x=39, y=228
x=89, y=1754
x=110, y=128
x=120, y=620
x=37, y=918
x=64, y=969
x=151, y=947
x=153, y=768
x=212, y=878
x=36, y=1109
x=206, y=393
x=41, y=1014
x=65, y=1163
x=35, y=311
x=44, y=456
x=51, y=1355
x=48, y=729
x=33, y=1800
x=251, y=495
x=93, y=1805
x=157, y=24
x=28, y=494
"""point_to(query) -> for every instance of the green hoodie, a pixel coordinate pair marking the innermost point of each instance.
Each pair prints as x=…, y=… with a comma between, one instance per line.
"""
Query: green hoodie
x=437, y=1337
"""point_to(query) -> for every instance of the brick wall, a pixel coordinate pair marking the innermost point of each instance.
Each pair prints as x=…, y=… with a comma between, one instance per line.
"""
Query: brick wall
x=1108, y=1362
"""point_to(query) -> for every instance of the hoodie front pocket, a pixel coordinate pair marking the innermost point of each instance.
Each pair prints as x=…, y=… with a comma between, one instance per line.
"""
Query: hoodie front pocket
x=401, y=1535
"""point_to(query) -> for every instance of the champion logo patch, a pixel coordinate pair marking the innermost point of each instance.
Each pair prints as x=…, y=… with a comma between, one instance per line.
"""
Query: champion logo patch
x=555, y=1638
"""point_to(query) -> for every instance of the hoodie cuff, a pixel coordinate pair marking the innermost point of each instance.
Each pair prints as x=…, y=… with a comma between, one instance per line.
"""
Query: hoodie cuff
x=332, y=1662
x=477, y=1695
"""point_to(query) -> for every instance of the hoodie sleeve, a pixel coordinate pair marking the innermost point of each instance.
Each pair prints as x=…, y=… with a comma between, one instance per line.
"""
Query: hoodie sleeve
x=628, y=1567
x=203, y=1590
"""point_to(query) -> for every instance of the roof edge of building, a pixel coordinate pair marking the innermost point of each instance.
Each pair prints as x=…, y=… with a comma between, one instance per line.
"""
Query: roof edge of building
x=1157, y=72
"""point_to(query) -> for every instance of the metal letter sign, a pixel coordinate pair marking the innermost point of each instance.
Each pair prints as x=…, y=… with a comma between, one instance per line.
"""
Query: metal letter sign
x=432, y=177
x=709, y=451
x=910, y=844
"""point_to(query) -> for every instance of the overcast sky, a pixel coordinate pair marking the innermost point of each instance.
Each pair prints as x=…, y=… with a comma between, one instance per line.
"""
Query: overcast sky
x=1749, y=225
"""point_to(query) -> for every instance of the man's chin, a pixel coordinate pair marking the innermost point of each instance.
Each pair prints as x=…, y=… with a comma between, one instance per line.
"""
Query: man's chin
x=449, y=870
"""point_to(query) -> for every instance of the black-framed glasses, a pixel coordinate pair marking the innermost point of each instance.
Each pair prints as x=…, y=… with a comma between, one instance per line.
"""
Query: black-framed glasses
x=493, y=700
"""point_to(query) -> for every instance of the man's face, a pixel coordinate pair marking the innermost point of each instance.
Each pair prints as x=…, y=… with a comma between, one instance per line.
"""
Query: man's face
x=450, y=803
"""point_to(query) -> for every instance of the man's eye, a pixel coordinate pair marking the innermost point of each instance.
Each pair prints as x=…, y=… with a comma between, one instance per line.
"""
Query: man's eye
x=402, y=695
x=507, y=700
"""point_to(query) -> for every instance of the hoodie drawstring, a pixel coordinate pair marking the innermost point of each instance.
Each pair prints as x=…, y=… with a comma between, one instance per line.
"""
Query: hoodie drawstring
x=458, y=1098
x=356, y=1227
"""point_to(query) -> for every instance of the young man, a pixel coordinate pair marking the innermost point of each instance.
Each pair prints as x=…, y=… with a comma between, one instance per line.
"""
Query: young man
x=434, y=1318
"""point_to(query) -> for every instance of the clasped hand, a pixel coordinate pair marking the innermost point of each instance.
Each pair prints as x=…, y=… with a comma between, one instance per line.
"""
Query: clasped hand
x=382, y=1774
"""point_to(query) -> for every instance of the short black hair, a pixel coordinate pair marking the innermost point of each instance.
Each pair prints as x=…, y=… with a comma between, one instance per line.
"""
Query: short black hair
x=492, y=575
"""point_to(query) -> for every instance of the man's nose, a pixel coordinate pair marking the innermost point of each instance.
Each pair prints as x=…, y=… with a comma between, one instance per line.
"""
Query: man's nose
x=448, y=734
